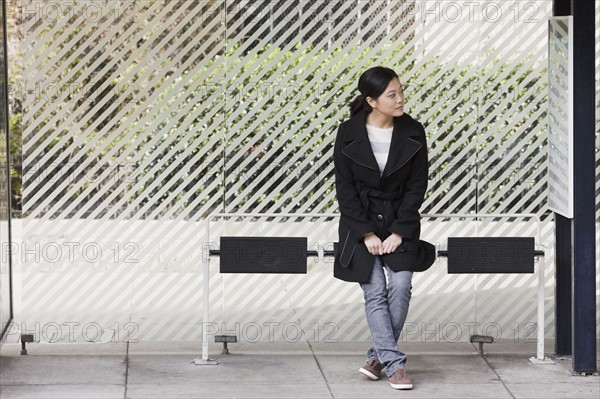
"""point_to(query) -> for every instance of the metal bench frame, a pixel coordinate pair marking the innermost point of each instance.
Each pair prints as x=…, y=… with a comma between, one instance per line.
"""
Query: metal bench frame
x=204, y=360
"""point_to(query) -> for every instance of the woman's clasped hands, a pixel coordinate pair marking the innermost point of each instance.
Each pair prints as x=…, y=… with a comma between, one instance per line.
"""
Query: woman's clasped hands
x=377, y=247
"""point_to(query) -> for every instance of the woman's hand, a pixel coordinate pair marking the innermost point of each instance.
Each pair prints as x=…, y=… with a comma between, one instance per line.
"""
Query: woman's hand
x=374, y=244
x=391, y=243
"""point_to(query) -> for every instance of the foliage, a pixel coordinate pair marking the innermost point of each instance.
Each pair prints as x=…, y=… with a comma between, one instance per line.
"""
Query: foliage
x=162, y=130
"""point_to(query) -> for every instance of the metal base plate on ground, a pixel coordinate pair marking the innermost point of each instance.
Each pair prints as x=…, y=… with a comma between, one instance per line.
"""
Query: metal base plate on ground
x=545, y=360
x=208, y=362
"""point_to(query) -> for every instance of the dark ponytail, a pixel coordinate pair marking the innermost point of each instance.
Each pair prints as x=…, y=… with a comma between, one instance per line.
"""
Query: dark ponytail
x=358, y=104
x=372, y=83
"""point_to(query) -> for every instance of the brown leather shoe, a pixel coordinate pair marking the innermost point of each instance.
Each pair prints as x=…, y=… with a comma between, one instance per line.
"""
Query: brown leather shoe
x=372, y=369
x=399, y=379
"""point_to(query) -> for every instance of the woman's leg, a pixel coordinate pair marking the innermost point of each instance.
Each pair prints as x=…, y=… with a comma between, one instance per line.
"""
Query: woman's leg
x=399, y=294
x=380, y=321
x=377, y=285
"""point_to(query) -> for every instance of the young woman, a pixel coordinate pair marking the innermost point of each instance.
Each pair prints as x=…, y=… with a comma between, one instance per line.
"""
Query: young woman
x=381, y=170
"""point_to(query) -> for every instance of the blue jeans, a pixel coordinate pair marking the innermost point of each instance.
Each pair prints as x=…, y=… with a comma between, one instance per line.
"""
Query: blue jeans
x=386, y=306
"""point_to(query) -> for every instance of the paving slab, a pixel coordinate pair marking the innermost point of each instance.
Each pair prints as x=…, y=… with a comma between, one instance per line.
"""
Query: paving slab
x=438, y=371
x=265, y=370
x=218, y=390
x=92, y=348
x=553, y=380
x=280, y=370
x=62, y=369
x=575, y=390
x=434, y=376
x=62, y=391
x=517, y=369
x=148, y=369
x=382, y=389
x=450, y=369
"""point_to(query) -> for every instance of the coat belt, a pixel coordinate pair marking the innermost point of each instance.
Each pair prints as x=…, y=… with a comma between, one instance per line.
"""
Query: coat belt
x=368, y=195
x=373, y=193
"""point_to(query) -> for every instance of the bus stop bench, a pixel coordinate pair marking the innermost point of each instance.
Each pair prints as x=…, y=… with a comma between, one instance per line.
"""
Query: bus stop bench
x=478, y=255
x=465, y=255
x=478, y=261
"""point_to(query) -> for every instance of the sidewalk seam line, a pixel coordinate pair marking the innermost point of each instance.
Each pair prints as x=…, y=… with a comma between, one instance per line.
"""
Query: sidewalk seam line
x=494, y=371
x=126, y=370
x=320, y=368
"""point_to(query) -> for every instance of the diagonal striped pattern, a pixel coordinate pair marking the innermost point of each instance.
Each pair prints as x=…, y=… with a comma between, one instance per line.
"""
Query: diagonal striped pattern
x=558, y=120
x=152, y=107
x=141, y=118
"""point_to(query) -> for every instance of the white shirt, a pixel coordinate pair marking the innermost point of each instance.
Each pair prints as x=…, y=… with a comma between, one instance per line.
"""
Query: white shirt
x=380, y=143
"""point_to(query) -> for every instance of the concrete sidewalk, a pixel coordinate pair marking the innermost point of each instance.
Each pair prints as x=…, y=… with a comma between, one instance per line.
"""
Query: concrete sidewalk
x=280, y=370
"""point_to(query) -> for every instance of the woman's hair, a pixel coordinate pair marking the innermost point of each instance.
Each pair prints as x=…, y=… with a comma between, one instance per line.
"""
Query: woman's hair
x=372, y=83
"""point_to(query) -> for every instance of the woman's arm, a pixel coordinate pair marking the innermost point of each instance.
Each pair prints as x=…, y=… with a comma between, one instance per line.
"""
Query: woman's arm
x=351, y=207
x=407, y=216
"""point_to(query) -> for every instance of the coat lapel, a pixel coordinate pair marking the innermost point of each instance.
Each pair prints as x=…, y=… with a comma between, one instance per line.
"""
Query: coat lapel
x=359, y=150
x=402, y=147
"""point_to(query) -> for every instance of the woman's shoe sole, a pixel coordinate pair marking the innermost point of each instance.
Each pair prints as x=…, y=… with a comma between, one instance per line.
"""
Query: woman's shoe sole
x=368, y=374
x=401, y=386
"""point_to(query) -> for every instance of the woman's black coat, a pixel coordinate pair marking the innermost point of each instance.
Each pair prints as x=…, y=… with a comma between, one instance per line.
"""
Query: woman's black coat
x=369, y=202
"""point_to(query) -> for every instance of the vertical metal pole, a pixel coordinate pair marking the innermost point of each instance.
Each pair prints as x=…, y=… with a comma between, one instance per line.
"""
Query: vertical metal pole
x=541, y=302
x=541, y=305
x=541, y=308
x=563, y=279
x=584, y=220
x=204, y=360
x=205, y=294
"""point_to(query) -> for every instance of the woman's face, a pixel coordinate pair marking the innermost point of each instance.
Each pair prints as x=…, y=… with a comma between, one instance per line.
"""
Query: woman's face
x=391, y=101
